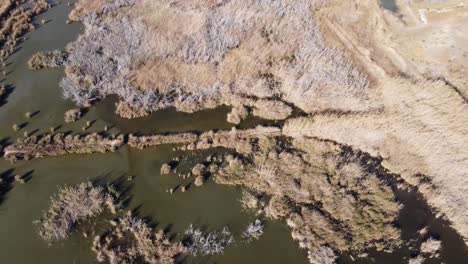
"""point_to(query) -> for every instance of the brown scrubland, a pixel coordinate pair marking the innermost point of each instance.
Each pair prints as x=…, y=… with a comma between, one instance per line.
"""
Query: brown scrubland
x=370, y=107
x=15, y=21
x=320, y=188
x=129, y=239
x=71, y=205
x=132, y=240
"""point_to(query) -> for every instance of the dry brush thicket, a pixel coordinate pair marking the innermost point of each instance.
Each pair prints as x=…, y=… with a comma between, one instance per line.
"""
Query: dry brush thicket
x=212, y=243
x=48, y=59
x=262, y=55
x=16, y=20
x=128, y=239
x=133, y=241
x=335, y=200
x=422, y=134
x=71, y=205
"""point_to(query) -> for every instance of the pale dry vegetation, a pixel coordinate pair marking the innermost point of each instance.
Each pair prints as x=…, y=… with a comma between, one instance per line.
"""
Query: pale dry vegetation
x=132, y=241
x=60, y=144
x=334, y=199
x=72, y=115
x=226, y=53
x=16, y=20
x=48, y=59
x=71, y=205
x=421, y=134
x=199, y=243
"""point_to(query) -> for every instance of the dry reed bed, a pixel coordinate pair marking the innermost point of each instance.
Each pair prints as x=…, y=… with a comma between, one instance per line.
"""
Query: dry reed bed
x=422, y=134
x=264, y=55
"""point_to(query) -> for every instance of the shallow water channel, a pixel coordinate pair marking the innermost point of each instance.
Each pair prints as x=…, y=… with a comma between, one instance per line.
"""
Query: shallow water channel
x=211, y=206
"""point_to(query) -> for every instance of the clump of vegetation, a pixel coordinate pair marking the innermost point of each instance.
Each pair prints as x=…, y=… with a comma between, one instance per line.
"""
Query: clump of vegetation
x=199, y=181
x=141, y=142
x=319, y=188
x=431, y=247
x=71, y=205
x=15, y=22
x=73, y=115
x=198, y=243
x=132, y=240
x=48, y=59
x=166, y=169
x=60, y=144
x=254, y=231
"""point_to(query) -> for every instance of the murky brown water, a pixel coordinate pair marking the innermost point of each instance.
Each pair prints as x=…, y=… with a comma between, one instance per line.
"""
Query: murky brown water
x=212, y=206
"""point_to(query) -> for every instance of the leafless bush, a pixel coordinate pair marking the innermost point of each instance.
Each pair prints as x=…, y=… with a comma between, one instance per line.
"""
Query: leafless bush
x=70, y=206
x=322, y=255
x=99, y=62
x=115, y=5
x=49, y=59
x=133, y=240
x=253, y=231
x=198, y=243
x=417, y=260
x=72, y=115
x=431, y=247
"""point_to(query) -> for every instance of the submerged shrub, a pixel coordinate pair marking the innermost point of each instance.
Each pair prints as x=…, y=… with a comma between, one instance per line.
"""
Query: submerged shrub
x=48, y=59
x=133, y=241
x=72, y=205
x=253, y=231
x=72, y=115
x=198, y=243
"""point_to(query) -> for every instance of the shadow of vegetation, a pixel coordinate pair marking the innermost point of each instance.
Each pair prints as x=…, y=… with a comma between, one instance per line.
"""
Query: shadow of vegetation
x=8, y=90
x=6, y=180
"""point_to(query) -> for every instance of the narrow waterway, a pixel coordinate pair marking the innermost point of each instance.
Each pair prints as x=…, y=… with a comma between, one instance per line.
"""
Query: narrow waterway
x=211, y=206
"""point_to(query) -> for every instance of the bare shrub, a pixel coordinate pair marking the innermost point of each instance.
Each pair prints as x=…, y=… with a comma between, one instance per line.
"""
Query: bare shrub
x=198, y=243
x=431, y=247
x=319, y=188
x=99, y=62
x=253, y=231
x=70, y=206
x=132, y=240
x=322, y=255
x=166, y=168
x=49, y=59
x=417, y=260
x=72, y=115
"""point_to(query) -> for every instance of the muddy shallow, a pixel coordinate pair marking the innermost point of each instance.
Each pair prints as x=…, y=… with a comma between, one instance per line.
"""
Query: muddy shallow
x=211, y=206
